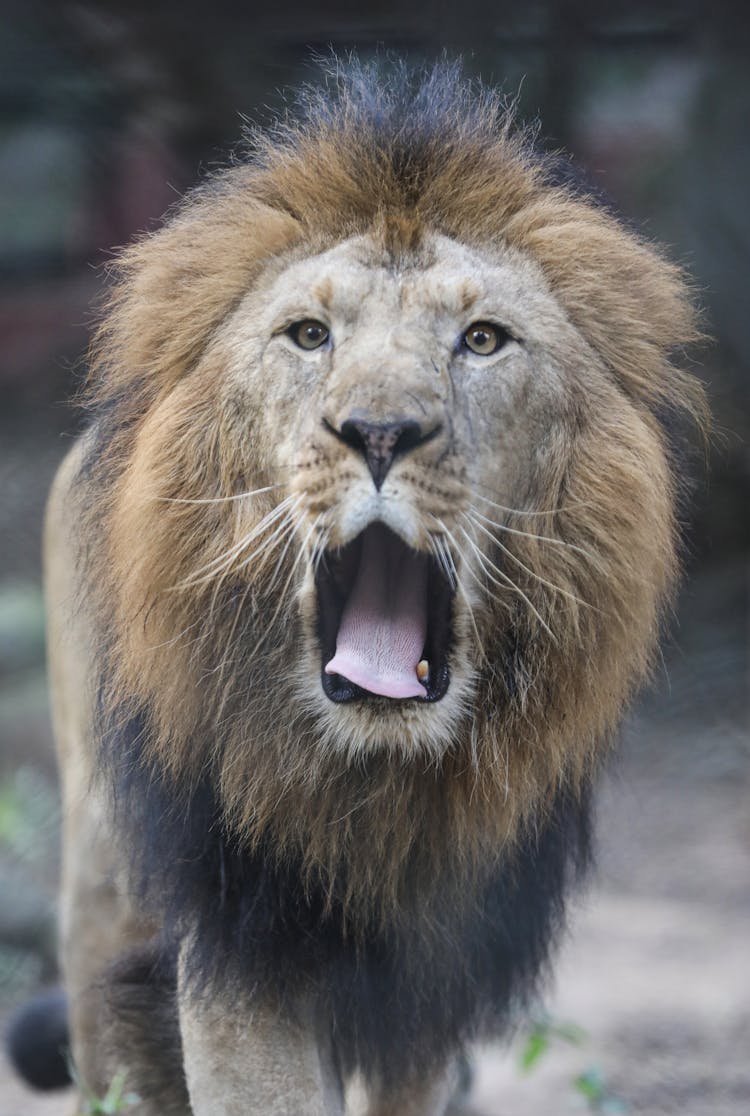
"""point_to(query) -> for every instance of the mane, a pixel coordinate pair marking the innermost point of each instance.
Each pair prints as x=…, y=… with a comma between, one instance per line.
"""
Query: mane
x=224, y=791
x=414, y=150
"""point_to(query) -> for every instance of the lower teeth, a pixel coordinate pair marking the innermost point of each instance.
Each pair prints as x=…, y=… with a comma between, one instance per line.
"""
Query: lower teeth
x=423, y=670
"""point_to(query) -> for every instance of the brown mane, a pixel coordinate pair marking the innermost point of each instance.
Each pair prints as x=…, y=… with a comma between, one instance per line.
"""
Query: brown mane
x=546, y=703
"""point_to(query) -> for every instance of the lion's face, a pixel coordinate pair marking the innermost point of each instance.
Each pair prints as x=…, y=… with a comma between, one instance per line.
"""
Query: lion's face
x=400, y=504
x=403, y=415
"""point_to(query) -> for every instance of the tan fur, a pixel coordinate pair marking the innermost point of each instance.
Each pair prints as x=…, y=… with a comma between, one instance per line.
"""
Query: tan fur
x=275, y=1068
x=553, y=441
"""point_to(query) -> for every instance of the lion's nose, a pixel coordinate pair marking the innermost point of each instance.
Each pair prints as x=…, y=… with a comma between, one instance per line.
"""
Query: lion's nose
x=381, y=442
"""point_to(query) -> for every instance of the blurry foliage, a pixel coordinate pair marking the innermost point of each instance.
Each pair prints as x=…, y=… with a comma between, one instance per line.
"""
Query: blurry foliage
x=21, y=627
x=29, y=837
x=29, y=815
x=542, y=1034
x=21, y=973
x=115, y=1100
x=593, y=1086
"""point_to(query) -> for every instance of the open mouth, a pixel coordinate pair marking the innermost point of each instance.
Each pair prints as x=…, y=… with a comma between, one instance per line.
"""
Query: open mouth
x=384, y=620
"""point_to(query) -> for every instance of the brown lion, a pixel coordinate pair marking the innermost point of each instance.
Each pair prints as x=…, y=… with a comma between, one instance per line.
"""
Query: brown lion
x=362, y=556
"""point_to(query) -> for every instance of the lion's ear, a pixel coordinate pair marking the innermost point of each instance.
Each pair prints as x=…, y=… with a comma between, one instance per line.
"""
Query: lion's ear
x=173, y=288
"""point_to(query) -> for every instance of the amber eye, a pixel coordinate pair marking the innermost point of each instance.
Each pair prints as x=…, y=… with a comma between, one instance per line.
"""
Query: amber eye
x=484, y=339
x=308, y=334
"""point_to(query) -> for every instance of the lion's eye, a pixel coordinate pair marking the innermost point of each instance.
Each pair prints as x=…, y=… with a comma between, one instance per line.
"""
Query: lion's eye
x=485, y=339
x=308, y=334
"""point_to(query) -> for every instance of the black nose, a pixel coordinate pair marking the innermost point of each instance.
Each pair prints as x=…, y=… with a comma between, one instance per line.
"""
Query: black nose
x=380, y=442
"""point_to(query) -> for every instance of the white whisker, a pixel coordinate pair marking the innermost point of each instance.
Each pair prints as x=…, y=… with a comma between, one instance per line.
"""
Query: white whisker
x=281, y=510
x=268, y=545
x=217, y=565
x=506, y=582
x=457, y=581
x=301, y=553
x=529, y=512
x=285, y=588
x=280, y=560
x=474, y=513
x=319, y=550
x=446, y=566
x=216, y=499
x=267, y=590
x=523, y=566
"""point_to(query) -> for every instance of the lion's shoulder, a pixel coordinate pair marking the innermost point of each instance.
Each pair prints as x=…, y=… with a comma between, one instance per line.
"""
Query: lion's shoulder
x=69, y=636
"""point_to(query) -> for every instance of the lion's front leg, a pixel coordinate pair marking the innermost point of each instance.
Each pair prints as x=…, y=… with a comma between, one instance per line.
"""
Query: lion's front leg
x=246, y=1059
x=431, y=1095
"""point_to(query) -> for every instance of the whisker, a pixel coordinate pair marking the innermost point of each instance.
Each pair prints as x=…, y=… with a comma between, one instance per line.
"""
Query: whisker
x=523, y=566
x=267, y=590
x=280, y=511
x=475, y=513
x=529, y=512
x=216, y=499
x=303, y=551
x=216, y=565
x=280, y=560
x=282, y=595
x=446, y=566
x=319, y=550
x=460, y=588
x=268, y=545
x=507, y=582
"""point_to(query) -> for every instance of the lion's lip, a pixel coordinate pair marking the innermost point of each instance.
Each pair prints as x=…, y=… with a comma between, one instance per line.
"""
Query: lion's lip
x=382, y=607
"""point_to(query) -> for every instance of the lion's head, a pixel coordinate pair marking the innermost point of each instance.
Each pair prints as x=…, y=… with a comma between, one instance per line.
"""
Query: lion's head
x=385, y=511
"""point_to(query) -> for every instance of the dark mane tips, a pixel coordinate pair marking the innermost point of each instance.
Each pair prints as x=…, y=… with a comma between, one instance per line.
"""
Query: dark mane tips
x=385, y=135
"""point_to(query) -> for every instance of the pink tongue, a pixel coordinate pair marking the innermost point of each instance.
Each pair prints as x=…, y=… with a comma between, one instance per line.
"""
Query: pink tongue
x=383, y=627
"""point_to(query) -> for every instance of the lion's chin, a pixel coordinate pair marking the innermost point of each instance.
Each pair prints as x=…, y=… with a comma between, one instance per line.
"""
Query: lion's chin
x=384, y=621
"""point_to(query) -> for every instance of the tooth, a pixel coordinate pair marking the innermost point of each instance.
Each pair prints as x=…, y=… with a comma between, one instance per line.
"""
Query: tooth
x=423, y=670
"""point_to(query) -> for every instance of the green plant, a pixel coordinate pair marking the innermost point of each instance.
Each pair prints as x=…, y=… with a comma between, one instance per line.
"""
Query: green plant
x=591, y=1084
x=114, y=1101
x=544, y=1030
x=29, y=814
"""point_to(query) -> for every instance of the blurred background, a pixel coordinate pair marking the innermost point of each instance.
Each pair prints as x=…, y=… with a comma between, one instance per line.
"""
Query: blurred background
x=108, y=111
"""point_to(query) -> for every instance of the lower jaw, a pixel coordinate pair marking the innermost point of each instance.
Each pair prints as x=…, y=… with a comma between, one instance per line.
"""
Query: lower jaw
x=340, y=690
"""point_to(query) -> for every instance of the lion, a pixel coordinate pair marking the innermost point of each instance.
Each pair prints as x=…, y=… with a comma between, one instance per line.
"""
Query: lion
x=364, y=552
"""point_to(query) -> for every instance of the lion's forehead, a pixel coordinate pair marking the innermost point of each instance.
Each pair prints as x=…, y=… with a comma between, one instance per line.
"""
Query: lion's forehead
x=445, y=281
